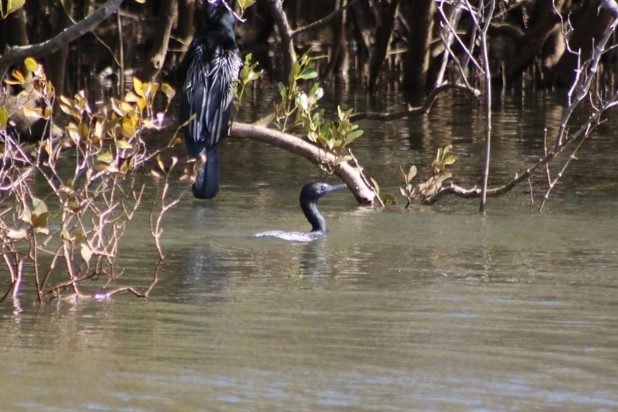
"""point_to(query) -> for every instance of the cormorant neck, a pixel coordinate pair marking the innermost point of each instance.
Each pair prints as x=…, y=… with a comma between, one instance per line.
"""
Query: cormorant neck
x=310, y=209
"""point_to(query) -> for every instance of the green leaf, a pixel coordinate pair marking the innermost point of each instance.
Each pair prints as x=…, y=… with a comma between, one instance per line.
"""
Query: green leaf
x=449, y=160
x=317, y=92
x=388, y=199
x=308, y=73
x=106, y=157
x=339, y=113
x=303, y=102
x=353, y=136
x=294, y=73
x=282, y=88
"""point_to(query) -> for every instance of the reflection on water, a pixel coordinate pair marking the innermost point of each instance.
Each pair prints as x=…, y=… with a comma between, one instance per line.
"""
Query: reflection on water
x=434, y=308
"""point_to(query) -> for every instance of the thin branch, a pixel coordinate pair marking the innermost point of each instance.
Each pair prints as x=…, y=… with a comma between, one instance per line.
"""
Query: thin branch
x=322, y=21
x=16, y=54
x=581, y=134
x=584, y=87
x=487, y=80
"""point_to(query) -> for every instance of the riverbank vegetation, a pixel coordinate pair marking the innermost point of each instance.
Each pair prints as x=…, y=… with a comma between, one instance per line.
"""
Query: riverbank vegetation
x=87, y=84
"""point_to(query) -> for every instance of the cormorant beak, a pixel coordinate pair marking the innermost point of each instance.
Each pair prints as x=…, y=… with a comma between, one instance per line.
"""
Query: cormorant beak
x=336, y=187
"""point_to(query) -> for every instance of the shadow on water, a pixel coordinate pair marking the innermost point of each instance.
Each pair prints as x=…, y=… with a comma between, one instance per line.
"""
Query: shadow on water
x=435, y=308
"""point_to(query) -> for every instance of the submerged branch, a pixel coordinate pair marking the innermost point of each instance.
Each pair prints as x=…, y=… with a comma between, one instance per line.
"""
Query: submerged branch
x=413, y=111
x=579, y=135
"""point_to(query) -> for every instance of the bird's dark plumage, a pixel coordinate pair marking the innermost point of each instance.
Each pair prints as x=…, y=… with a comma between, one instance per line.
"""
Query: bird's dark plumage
x=309, y=196
x=211, y=66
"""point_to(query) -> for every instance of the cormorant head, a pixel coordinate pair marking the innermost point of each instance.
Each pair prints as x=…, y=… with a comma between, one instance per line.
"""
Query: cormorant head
x=218, y=15
x=311, y=192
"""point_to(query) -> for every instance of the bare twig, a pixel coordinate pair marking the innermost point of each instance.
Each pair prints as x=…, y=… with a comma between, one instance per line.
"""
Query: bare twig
x=16, y=54
x=318, y=23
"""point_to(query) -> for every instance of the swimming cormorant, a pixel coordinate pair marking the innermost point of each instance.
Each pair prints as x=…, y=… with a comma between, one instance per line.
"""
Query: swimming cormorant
x=211, y=65
x=309, y=195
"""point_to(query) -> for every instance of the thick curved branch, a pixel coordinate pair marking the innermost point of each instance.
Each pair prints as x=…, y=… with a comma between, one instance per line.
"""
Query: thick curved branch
x=16, y=54
x=351, y=174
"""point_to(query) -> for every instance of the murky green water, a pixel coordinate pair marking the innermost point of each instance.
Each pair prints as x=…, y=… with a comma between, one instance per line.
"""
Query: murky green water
x=435, y=308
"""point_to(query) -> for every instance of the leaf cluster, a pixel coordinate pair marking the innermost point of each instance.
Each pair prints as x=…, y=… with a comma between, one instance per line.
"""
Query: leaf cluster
x=112, y=133
x=249, y=73
x=73, y=227
x=298, y=107
x=438, y=175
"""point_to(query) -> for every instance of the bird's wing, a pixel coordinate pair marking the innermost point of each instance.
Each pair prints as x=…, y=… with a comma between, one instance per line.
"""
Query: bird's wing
x=219, y=104
x=207, y=96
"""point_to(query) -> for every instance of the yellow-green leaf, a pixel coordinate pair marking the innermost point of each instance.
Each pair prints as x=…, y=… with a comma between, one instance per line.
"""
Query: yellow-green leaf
x=86, y=252
x=30, y=64
x=138, y=86
x=449, y=160
x=73, y=132
x=18, y=76
x=168, y=91
x=128, y=128
x=141, y=103
x=126, y=107
x=149, y=124
x=4, y=117
x=98, y=130
x=123, y=144
x=105, y=158
x=12, y=6
x=32, y=113
x=130, y=97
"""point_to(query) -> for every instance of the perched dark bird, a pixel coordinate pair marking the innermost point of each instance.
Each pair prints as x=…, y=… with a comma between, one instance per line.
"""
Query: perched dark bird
x=309, y=196
x=211, y=65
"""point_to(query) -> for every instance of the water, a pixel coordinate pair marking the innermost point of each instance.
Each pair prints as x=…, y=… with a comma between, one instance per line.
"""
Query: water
x=434, y=308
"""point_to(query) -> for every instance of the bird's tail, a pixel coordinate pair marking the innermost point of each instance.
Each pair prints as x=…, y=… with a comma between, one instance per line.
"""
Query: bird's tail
x=206, y=185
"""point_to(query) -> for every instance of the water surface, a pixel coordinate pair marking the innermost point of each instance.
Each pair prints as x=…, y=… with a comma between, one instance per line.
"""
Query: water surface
x=433, y=308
